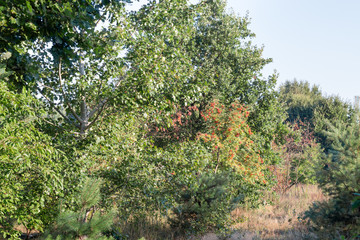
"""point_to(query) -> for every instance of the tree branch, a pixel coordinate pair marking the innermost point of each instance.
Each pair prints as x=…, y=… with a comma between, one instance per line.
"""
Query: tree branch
x=100, y=105
x=57, y=109
x=64, y=95
x=97, y=116
x=60, y=127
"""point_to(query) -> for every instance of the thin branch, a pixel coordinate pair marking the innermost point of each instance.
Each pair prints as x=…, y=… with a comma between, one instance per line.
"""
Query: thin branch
x=64, y=95
x=48, y=87
x=107, y=115
x=121, y=79
x=63, y=129
x=51, y=123
x=102, y=16
x=99, y=108
x=100, y=105
x=97, y=116
x=100, y=88
x=56, y=108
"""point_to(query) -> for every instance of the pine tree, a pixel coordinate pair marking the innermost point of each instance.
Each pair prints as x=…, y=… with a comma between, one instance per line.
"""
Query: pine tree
x=205, y=205
x=86, y=223
x=339, y=177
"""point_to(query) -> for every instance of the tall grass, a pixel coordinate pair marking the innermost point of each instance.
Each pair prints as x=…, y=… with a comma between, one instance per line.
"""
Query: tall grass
x=282, y=218
x=278, y=218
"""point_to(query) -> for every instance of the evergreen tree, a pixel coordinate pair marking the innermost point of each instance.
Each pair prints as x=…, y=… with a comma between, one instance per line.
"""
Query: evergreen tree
x=205, y=204
x=86, y=223
x=339, y=177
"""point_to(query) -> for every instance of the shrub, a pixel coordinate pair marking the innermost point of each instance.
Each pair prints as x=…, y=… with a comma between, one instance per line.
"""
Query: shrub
x=235, y=172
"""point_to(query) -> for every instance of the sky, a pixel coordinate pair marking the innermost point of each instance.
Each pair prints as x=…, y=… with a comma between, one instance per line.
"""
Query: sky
x=317, y=41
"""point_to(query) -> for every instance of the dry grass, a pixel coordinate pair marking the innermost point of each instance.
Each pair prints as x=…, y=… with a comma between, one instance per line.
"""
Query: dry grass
x=154, y=227
x=275, y=221
x=280, y=219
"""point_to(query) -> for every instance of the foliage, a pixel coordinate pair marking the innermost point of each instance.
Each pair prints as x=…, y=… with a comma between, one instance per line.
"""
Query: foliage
x=33, y=172
x=126, y=160
x=234, y=172
x=88, y=222
x=203, y=205
x=300, y=99
x=3, y=72
x=301, y=155
x=141, y=177
x=85, y=69
x=339, y=178
x=227, y=68
x=230, y=140
x=308, y=105
x=356, y=201
x=228, y=71
x=109, y=94
x=226, y=135
x=163, y=30
x=59, y=26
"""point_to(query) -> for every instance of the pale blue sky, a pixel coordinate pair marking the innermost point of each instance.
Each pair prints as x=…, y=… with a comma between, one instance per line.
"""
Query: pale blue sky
x=313, y=40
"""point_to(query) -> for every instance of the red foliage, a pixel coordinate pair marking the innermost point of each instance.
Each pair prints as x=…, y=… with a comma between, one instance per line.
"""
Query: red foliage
x=231, y=141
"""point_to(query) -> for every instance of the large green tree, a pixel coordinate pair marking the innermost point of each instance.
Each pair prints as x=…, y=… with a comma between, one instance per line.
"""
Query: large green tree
x=82, y=69
x=227, y=67
x=108, y=84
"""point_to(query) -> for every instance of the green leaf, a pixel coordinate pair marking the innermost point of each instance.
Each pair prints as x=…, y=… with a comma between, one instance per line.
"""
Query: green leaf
x=29, y=7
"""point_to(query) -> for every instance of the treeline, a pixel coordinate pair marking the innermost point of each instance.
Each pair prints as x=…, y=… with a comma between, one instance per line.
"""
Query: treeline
x=109, y=118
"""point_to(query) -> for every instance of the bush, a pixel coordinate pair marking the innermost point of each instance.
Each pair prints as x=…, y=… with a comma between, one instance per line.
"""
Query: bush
x=235, y=172
x=197, y=181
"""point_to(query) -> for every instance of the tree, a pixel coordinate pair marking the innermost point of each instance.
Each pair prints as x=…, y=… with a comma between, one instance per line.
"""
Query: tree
x=230, y=173
x=300, y=99
x=300, y=158
x=339, y=177
x=102, y=88
x=228, y=68
x=43, y=36
x=86, y=70
x=88, y=222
